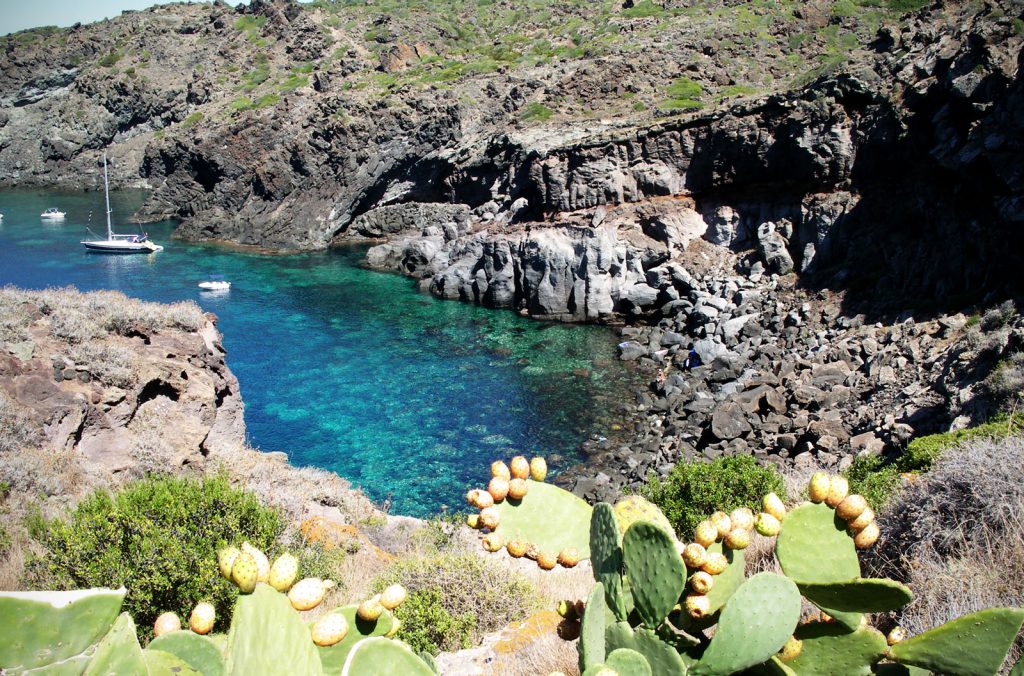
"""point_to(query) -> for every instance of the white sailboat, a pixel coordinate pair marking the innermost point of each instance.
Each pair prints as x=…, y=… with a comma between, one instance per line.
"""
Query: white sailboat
x=115, y=243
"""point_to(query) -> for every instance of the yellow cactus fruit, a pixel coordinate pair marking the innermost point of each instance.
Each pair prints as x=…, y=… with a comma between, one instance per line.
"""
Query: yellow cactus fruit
x=851, y=507
x=697, y=605
x=473, y=520
x=538, y=469
x=772, y=504
x=568, y=557
x=490, y=517
x=767, y=525
x=706, y=533
x=244, y=572
x=471, y=496
x=329, y=629
x=498, y=489
x=791, y=650
x=516, y=548
x=715, y=563
x=742, y=517
x=520, y=467
x=838, y=489
x=396, y=624
x=283, y=572
x=166, y=623
x=531, y=551
x=262, y=562
x=896, y=635
x=546, y=561
x=393, y=596
x=818, y=487
x=694, y=555
x=568, y=630
x=517, y=489
x=701, y=582
x=202, y=618
x=867, y=537
x=493, y=542
x=862, y=521
x=499, y=470
x=370, y=609
x=307, y=594
x=226, y=559
x=738, y=538
x=483, y=499
x=566, y=609
x=722, y=522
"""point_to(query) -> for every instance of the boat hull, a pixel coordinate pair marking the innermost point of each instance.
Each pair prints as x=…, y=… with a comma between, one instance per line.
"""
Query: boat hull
x=121, y=247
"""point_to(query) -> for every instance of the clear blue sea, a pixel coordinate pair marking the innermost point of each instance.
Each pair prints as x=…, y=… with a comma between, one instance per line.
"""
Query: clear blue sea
x=345, y=368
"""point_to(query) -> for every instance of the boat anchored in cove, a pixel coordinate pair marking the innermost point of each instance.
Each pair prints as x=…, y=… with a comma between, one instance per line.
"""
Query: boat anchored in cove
x=117, y=243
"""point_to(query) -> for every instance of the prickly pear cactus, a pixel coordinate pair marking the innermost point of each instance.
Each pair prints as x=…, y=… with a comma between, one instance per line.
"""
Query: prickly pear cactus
x=332, y=658
x=633, y=508
x=160, y=663
x=119, y=652
x=592, y=629
x=267, y=636
x=655, y=570
x=549, y=517
x=199, y=652
x=606, y=557
x=729, y=580
x=861, y=595
x=829, y=648
x=813, y=546
x=972, y=645
x=382, y=656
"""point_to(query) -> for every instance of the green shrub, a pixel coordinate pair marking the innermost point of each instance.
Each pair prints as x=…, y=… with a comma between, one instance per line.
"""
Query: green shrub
x=871, y=477
x=683, y=94
x=694, y=490
x=158, y=537
x=192, y=120
x=536, y=112
x=110, y=59
x=455, y=600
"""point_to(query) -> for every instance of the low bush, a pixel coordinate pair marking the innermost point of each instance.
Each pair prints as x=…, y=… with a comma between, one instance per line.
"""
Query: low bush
x=694, y=490
x=455, y=600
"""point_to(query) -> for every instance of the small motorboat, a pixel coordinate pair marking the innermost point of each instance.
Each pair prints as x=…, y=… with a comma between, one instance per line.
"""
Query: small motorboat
x=52, y=212
x=215, y=283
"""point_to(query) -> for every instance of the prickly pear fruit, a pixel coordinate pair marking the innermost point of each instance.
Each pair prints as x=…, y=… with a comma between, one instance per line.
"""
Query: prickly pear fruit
x=867, y=537
x=489, y=517
x=722, y=522
x=262, y=562
x=546, y=560
x=307, y=594
x=694, y=555
x=473, y=520
x=516, y=548
x=791, y=650
x=493, y=542
x=851, y=507
x=568, y=630
x=538, y=469
x=697, y=605
x=896, y=635
x=370, y=609
x=861, y=522
x=738, y=538
x=202, y=618
x=520, y=467
x=706, y=533
x=715, y=563
x=767, y=525
x=393, y=596
x=498, y=488
x=517, y=489
x=531, y=551
x=838, y=489
x=568, y=557
x=226, y=559
x=166, y=622
x=742, y=518
x=329, y=629
x=818, y=487
x=283, y=572
x=566, y=609
x=499, y=470
x=244, y=573
x=772, y=504
x=701, y=582
x=482, y=499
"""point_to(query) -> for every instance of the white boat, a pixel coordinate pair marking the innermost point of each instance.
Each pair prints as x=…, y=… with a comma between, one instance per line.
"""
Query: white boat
x=215, y=285
x=115, y=243
x=53, y=213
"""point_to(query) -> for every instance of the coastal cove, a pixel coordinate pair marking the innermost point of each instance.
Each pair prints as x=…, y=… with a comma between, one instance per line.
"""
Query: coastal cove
x=344, y=368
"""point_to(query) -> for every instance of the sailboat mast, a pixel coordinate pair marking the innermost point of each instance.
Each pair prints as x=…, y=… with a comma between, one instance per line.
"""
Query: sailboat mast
x=106, y=192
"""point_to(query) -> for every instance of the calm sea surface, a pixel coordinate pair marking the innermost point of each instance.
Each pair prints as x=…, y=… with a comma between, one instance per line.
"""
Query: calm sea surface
x=344, y=368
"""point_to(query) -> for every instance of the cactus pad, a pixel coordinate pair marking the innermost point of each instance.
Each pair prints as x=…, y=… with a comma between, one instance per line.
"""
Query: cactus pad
x=773, y=667
x=972, y=645
x=119, y=652
x=40, y=628
x=332, y=658
x=758, y=620
x=633, y=508
x=549, y=517
x=606, y=557
x=592, y=629
x=379, y=655
x=830, y=648
x=628, y=662
x=199, y=652
x=892, y=669
x=267, y=636
x=862, y=595
x=730, y=579
x=159, y=663
x=662, y=658
x=655, y=570
x=813, y=546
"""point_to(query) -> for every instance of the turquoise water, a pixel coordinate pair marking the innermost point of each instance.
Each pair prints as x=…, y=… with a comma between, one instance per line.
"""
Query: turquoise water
x=345, y=368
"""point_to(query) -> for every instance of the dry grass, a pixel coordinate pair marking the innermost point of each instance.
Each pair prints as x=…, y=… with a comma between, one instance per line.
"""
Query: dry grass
x=17, y=428
x=547, y=655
